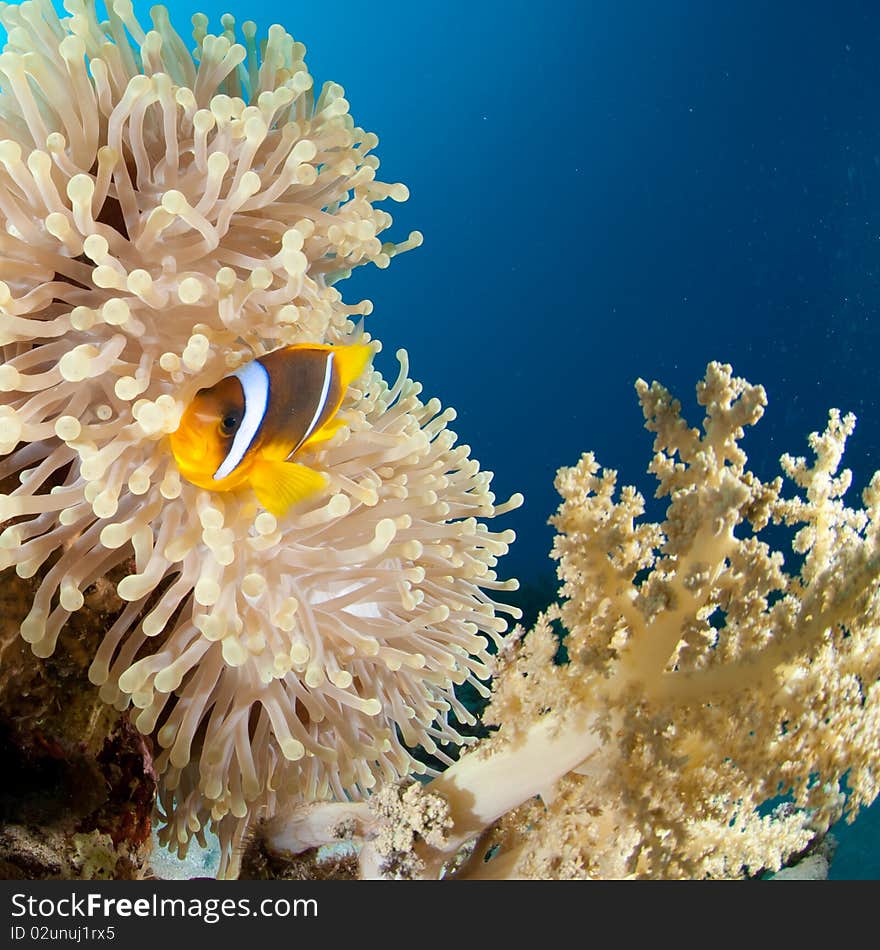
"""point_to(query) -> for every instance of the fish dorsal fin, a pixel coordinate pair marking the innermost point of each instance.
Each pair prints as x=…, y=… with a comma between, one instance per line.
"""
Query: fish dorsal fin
x=280, y=485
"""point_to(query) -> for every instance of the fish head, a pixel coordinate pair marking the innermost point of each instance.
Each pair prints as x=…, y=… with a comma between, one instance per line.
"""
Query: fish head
x=207, y=429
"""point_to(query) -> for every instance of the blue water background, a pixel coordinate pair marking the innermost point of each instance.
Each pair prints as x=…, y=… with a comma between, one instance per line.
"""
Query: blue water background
x=611, y=190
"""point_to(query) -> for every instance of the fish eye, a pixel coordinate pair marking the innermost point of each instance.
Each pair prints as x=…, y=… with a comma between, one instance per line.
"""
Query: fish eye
x=229, y=423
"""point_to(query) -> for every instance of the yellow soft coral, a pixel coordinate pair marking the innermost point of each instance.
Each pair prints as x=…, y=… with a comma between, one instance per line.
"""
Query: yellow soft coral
x=703, y=681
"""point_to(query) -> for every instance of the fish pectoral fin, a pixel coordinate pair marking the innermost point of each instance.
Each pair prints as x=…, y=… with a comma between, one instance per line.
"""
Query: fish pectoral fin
x=280, y=485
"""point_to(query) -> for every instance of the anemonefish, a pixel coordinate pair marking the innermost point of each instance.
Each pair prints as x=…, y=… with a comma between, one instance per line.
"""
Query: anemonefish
x=245, y=429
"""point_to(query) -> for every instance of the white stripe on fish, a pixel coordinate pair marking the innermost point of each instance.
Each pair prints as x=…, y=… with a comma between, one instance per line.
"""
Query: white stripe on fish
x=255, y=384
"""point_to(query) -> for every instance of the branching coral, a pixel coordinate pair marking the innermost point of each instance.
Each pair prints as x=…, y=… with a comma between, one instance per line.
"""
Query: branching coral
x=165, y=217
x=703, y=681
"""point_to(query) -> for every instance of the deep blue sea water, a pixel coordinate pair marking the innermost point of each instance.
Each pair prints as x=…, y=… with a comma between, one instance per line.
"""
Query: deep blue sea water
x=612, y=189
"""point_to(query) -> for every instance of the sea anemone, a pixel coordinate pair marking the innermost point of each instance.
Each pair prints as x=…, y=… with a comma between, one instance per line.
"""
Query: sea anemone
x=167, y=216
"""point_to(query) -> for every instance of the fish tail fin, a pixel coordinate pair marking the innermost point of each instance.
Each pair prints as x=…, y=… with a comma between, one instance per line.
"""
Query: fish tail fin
x=351, y=360
x=280, y=485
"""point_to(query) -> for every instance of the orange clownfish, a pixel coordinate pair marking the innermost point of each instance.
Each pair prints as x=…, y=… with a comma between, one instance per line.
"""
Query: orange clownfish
x=245, y=429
